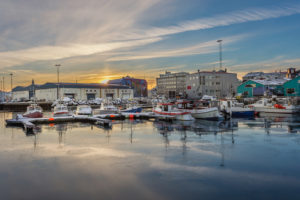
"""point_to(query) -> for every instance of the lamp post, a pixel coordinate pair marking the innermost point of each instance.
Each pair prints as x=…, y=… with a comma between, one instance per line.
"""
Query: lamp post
x=220, y=52
x=11, y=81
x=57, y=68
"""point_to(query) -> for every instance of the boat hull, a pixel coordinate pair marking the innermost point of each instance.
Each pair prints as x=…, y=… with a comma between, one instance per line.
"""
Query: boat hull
x=182, y=116
x=275, y=110
x=33, y=115
x=243, y=113
x=207, y=113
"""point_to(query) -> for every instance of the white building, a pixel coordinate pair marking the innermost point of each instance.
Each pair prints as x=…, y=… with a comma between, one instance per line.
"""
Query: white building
x=213, y=83
x=171, y=84
x=78, y=91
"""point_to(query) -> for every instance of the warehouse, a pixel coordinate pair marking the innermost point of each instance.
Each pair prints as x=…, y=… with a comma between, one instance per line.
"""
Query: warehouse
x=252, y=88
x=78, y=91
x=292, y=88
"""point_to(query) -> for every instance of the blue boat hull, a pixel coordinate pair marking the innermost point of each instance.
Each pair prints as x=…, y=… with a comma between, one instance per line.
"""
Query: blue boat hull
x=243, y=114
x=134, y=110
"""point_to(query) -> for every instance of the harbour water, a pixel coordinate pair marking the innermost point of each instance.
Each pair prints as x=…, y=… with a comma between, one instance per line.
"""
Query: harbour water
x=238, y=159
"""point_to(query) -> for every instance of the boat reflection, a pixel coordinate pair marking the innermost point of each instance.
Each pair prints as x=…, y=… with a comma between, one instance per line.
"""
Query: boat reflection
x=200, y=127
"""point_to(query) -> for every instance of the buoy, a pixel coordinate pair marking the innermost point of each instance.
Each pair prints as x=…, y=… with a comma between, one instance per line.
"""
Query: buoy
x=112, y=116
x=131, y=116
x=51, y=119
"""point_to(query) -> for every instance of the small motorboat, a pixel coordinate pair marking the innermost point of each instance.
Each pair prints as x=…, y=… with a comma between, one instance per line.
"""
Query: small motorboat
x=169, y=109
x=199, y=109
x=266, y=106
x=33, y=111
x=106, y=108
x=61, y=110
x=83, y=110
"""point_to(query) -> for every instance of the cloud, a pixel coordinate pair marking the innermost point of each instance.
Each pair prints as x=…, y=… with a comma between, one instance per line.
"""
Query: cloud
x=237, y=17
x=201, y=48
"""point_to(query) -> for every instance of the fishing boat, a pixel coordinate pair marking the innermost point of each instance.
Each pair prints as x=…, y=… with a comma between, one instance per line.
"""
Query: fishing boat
x=33, y=111
x=83, y=110
x=266, y=106
x=61, y=110
x=169, y=109
x=106, y=108
x=235, y=109
x=199, y=109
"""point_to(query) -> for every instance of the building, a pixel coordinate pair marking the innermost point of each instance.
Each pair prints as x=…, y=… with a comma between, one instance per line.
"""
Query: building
x=78, y=91
x=264, y=76
x=252, y=88
x=140, y=86
x=291, y=88
x=171, y=85
x=292, y=73
x=213, y=83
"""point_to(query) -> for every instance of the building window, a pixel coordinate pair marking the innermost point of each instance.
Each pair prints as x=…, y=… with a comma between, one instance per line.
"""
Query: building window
x=290, y=90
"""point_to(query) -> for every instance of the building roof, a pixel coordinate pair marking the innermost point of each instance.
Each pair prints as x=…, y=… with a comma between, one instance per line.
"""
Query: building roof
x=271, y=82
x=70, y=85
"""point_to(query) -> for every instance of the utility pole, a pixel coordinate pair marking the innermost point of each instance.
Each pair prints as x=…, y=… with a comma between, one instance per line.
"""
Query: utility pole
x=220, y=52
x=57, y=67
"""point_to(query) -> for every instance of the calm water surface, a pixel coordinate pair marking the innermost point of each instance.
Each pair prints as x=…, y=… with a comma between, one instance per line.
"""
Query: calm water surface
x=243, y=159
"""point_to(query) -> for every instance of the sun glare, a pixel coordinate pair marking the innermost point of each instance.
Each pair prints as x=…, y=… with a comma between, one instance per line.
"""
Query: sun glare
x=105, y=81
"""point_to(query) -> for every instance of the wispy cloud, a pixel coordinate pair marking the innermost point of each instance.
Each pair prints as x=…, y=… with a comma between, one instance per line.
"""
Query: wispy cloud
x=201, y=48
x=255, y=14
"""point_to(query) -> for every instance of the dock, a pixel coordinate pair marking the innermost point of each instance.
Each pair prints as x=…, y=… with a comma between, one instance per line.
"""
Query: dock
x=105, y=120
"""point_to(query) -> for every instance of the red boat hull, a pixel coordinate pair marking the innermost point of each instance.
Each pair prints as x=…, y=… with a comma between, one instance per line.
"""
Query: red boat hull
x=34, y=115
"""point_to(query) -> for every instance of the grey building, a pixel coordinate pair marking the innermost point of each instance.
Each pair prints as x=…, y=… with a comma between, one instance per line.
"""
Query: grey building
x=171, y=84
x=213, y=83
x=79, y=91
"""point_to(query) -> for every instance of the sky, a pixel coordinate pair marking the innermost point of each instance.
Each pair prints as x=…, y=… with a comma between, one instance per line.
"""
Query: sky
x=97, y=40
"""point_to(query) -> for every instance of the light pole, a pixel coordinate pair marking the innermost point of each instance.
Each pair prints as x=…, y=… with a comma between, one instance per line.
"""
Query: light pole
x=11, y=81
x=57, y=67
x=220, y=52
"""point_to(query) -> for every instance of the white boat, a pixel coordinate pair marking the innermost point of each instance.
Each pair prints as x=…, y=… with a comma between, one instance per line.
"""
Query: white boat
x=265, y=106
x=199, y=111
x=83, y=110
x=206, y=113
x=168, y=109
x=106, y=108
x=61, y=110
x=33, y=111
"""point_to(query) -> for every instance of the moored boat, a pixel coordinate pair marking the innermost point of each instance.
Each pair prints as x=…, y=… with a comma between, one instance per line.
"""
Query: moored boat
x=168, y=109
x=106, y=108
x=198, y=110
x=60, y=110
x=265, y=106
x=33, y=111
x=235, y=109
x=83, y=110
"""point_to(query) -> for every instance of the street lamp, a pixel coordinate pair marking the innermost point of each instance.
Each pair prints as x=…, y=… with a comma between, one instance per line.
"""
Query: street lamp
x=220, y=52
x=11, y=81
x=57, y=67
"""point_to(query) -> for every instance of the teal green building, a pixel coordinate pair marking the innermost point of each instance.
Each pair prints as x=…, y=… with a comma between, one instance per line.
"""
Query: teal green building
x=292, y=88
x=252, y=88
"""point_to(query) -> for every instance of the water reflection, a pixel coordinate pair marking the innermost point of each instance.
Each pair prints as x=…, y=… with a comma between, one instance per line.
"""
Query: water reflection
x=139, y=159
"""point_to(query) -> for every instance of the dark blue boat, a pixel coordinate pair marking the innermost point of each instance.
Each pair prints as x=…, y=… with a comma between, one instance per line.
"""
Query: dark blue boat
x=243, y=113
x=133, y=109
